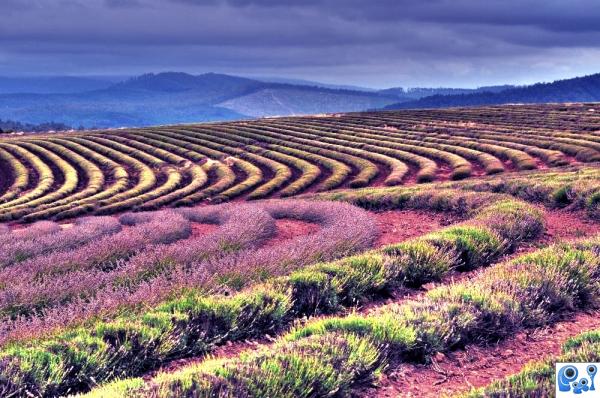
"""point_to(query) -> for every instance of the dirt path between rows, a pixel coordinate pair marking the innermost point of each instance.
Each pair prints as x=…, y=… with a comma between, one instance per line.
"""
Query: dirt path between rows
x=399, y=225
x=396, y=226
x=477, y=366
x=288, y=228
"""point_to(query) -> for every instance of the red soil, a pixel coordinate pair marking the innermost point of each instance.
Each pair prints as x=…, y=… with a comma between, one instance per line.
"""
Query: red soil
x=509, y=166
x=411, y=175
x=384, y=171
x=289, y=228
x=477, y=366
x=199, y=229
x=539, y=163
x=229, y=350
x=398, y=225
x=478, y=169
x=565, y=225
x=444, y=172
x=458, y=371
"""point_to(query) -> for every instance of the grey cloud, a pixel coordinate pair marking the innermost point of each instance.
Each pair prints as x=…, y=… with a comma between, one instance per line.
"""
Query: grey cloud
x=380, y=42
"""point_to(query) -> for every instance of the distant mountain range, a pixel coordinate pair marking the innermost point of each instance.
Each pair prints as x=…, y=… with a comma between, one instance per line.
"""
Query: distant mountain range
x=579, y=89
x=167, y=98
x=53, y=85
x=172, y=97
x=421, y=92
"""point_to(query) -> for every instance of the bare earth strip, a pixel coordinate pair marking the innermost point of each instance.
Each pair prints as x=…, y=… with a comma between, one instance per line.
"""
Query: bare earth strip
x=474, y=362
x=477, y=366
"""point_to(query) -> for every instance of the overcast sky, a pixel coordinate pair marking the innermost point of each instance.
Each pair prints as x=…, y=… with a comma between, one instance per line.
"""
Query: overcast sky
x=378, y=43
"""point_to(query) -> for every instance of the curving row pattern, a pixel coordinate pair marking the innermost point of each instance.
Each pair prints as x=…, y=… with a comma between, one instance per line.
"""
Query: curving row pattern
x=66, y=175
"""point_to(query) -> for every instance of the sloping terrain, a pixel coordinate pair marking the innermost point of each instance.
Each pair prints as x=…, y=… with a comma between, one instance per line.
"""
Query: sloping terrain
x=579, y=89
x=168, y=98
x=420, y=240
x=302, y=101
x=102, y=172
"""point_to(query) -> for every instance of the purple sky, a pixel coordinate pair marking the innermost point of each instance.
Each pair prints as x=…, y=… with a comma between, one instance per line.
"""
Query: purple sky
x=378, y=43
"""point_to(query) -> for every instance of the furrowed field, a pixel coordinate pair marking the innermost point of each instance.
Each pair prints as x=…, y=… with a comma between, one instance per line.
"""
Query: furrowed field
x=409, y=253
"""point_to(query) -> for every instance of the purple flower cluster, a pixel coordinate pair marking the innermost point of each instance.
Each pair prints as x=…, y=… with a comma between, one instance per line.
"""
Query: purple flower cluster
x=45, y=237
x=60, y=293
x=37, y=230
x=32, y=285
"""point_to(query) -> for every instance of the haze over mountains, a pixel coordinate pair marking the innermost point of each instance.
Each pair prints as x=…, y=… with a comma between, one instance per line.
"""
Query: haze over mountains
x=172, y=97
x=579, y=89
x=180, y=98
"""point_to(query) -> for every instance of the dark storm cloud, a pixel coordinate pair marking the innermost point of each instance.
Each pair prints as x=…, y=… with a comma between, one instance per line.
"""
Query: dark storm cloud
x=379, y=42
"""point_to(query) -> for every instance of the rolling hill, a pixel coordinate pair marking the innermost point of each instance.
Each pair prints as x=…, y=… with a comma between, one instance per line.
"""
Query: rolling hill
x=168, y=98
x=579, y=89
x=53, y=84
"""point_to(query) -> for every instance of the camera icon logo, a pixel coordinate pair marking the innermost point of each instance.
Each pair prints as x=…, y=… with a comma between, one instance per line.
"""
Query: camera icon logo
x=577, y=379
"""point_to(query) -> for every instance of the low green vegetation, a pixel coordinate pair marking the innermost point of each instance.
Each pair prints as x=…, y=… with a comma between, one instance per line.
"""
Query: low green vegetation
x=101, y=350
x=332, y=354
x=573, y=187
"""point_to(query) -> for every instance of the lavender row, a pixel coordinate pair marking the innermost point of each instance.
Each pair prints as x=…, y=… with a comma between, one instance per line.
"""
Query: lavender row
x=82, y=231
x=36, y=230
x=155, y=242
x=344, y=229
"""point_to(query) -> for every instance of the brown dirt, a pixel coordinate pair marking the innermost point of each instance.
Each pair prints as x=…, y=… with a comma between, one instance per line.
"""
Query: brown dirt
x=398, y=225
x=384, y=171
x=509, y=166
x=561, y=225
x=478, y=170
x=540, y=164
x=199, y=229
x=477, y=366
x=444, y=172
x=288, y=228
x=566, y=225
x=411, y=176
x=229, y=350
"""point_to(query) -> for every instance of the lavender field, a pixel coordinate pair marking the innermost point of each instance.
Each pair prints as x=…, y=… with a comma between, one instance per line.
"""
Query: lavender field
x=329, y=293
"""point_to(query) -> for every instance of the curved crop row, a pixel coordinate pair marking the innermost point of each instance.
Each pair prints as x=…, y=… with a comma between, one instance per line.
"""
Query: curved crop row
x=19, y=173
x=263, y=308
x=100, y=172
x=44, y=180
x=366, y=170
x=332, y=355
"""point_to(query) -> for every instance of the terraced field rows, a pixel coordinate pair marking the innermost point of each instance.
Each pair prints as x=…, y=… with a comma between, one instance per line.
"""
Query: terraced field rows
x=102, y=172
x=101, y=304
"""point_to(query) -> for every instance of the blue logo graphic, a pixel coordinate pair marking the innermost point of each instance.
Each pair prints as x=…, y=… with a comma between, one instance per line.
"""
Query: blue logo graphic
x=576, y=379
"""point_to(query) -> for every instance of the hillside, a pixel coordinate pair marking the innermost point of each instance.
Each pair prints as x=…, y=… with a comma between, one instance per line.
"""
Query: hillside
x=52, y=85
x=293, y=100
x=414, y=93
x=407, y=238
x=66, y=174
x=579, y=89
x=169, y=98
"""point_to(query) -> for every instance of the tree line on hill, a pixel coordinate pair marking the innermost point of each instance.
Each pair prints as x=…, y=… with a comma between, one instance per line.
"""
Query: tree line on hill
x=10, y=126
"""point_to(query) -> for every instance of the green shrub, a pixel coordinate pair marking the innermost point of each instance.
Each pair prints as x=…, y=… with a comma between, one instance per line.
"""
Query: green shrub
x=513, y=221
x=474, y=246
x=419, y=262
x=312, y=292
x=312, y=367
